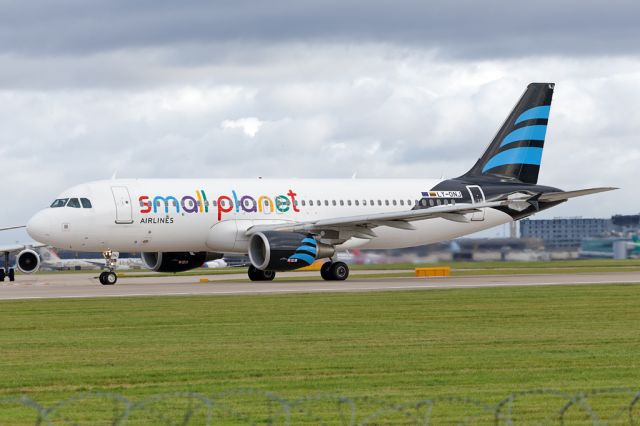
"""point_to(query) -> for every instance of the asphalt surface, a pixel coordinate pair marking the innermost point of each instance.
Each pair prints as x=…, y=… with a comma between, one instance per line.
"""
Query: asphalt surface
x=62, y=286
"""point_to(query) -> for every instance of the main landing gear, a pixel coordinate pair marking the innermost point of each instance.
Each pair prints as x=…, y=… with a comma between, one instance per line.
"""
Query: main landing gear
x=7, y=272
x=256, y=274
x=109, y=277
x=334, y=271
x=330, y=271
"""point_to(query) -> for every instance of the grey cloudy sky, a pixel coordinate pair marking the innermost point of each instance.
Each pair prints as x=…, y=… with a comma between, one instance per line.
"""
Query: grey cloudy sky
x=310, y=89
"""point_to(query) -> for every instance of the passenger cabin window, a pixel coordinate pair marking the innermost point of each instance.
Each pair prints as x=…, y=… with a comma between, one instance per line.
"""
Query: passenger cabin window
x=73, y=202
x=85, y=203
x=60, y=202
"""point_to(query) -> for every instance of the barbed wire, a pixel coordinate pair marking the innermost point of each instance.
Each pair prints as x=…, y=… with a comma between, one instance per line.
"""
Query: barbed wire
x=602, y=406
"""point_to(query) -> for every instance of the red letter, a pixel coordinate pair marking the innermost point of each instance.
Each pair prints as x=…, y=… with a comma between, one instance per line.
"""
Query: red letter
x=223, y=209
x=293, y=196
x=144, y=202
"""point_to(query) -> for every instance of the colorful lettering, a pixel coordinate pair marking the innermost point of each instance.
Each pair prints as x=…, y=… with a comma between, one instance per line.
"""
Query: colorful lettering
x=157, y=199
x=268, y=201
x=144, y=202
x=222, y=209
x=225, y=204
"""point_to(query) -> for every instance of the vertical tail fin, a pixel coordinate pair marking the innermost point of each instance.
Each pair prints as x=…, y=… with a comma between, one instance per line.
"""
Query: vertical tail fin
x=516, y=150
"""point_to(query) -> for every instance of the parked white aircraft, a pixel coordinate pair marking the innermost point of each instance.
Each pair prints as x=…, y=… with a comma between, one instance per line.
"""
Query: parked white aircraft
x=178, y=224
x=50, y=260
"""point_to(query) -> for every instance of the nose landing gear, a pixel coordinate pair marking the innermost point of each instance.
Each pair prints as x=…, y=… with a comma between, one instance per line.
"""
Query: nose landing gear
x=109, y=277
x=7, y=272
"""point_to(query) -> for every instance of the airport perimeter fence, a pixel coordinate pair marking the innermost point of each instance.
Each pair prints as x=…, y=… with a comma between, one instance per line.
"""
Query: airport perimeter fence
x=611, y=406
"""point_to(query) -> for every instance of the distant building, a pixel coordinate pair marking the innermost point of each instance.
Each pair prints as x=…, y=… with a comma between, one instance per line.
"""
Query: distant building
x=564, y=233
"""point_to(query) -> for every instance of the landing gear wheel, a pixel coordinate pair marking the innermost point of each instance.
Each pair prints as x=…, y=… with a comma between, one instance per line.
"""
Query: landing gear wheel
x=256, y=274
x=339, y=271
x=325, y=271
x=12, y=274
x=108, y=278
x=268, y=275
x=2, y=275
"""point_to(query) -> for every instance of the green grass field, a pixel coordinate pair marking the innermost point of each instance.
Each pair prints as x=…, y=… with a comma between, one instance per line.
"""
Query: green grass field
x=392, y=346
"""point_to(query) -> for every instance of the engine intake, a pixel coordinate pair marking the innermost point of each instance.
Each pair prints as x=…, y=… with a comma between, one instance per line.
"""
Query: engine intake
x=177, y=261
x=285, y=251
x=28, y=261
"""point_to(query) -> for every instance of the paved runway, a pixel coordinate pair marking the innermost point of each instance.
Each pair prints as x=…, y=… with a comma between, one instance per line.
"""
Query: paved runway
x=60, y=286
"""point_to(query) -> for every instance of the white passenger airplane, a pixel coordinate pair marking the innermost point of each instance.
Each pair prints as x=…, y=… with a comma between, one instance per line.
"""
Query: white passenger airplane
x=178, y=224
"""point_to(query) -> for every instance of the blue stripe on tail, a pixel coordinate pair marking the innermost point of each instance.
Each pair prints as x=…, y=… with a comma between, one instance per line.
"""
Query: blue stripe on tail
x=515, y=156
x=528, y=133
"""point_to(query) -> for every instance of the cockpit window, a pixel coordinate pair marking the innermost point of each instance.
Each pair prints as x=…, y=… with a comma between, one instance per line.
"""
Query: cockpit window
x=85, y=203
x=73, y=202
x=60, y=202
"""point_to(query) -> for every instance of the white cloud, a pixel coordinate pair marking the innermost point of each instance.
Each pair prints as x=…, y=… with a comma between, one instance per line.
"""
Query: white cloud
x=250, y=126
x=324, y=111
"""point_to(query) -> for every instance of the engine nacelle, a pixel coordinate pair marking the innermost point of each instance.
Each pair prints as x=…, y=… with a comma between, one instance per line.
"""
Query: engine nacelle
x=28, y=261
x=177, y=261
x=285, y=251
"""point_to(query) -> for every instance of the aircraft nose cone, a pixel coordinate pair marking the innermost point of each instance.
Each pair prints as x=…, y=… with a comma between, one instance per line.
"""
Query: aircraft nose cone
x=39, y=227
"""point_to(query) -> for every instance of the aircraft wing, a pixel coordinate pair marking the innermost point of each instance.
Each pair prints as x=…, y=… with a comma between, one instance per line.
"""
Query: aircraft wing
x=565, y=195
x=362, y=224
x=13, y=227
x=18, y=247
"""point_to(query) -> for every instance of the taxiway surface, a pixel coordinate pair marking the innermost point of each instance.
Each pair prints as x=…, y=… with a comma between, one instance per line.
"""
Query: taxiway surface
x=60, y=286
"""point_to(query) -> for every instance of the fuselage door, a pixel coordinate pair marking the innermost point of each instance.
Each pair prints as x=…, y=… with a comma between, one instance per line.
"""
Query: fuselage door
x=477, y=196
x=123, y=204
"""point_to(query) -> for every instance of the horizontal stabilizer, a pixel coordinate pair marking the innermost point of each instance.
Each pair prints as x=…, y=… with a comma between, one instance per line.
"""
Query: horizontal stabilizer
x=565, y=195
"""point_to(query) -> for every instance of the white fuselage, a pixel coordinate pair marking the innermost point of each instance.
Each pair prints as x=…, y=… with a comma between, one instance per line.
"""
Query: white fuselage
x=149, y=215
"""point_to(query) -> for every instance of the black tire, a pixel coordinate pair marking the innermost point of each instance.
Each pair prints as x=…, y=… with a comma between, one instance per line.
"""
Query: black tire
x=12, y=274
x=255, y=274
x=101, y=278
x=110, y=278
x=339, y=271
x=268, y=275
x=2, y=275
x=325, y=271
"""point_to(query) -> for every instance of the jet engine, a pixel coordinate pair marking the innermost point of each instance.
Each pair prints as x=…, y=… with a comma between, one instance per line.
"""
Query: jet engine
x=285, y=251
x=177, y=261
x=28, y=261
